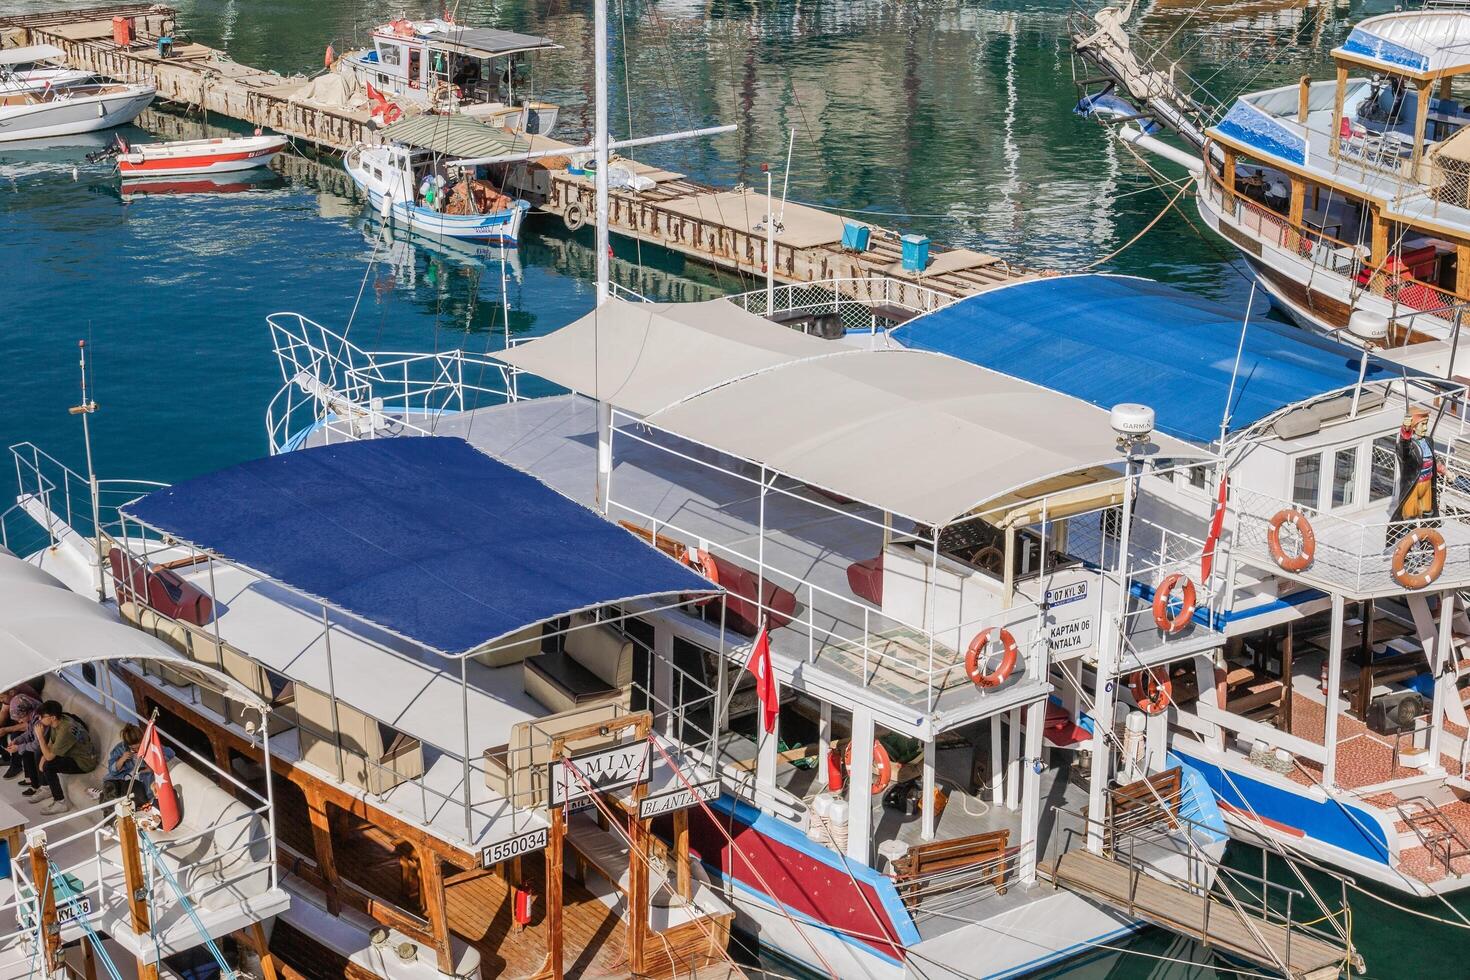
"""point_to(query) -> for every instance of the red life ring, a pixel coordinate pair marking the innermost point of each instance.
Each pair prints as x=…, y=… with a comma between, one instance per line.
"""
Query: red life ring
x=1401, y=573
x=976, y=650
x=1301, y=559
x=882, y=766
x=1153, y=695
x=1162, y=619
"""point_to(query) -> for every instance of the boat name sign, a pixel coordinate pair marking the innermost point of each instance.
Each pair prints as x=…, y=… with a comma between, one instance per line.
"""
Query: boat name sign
x=1069, y=615
x=680, y=798
x=605, y=769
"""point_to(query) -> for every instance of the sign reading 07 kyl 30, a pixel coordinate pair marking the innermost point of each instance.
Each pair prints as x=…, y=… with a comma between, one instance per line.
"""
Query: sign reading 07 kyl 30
x=605, y=769
x=1070, y=611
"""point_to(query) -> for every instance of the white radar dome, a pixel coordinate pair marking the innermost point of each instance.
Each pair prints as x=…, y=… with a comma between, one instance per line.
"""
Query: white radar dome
x=1368, y=325
x=1132, y=421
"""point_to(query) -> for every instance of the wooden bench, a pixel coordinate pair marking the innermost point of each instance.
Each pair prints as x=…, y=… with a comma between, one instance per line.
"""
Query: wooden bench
x=1145, y=802
x=674, y=549
x=952, y=855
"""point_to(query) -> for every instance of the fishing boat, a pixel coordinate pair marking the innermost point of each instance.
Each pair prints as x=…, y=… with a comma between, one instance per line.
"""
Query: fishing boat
x=204, y=156
x=66, y=111
x=446, y=67
x=1340, y=551
x=412, y=180
x=36, y=67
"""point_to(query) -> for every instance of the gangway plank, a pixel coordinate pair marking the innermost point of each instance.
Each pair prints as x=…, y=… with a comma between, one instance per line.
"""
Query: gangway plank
x=1199, y=917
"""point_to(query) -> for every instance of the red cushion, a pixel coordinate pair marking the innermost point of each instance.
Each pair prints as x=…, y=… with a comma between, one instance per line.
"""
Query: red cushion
x=865, y=578
x=741, y=613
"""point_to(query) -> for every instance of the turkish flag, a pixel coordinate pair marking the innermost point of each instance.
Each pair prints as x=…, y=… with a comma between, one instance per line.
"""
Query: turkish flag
x=1217, y=522
x=759, y=666
x=151, y=752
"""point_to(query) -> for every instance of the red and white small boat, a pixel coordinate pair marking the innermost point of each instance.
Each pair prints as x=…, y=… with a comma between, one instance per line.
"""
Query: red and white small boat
x=210, y=156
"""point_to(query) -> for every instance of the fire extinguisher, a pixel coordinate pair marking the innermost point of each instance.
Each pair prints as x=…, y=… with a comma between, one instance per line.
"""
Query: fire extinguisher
x=524, y=901
x=834, y=772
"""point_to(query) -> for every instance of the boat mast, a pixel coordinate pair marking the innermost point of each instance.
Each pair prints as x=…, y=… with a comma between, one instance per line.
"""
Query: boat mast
x=85, y=409
x=599, y=142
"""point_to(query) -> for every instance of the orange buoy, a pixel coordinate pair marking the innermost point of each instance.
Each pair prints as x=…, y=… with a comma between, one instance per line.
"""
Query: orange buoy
x=1152, y=694
x=1177, y=622
x=1303, y=558
x=882, y=766
x=1418, y=580
x=976, y=650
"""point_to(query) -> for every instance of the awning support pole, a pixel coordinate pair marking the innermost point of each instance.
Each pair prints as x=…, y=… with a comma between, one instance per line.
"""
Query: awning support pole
x=332, y=693
x=1334, y=686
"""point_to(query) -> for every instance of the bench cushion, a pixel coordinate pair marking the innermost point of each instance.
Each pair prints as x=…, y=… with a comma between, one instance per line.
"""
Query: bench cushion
x=601, y=650
x=578, y=684
x=513, y=649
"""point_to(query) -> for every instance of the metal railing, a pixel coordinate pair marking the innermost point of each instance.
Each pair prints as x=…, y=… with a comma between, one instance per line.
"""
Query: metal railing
x=335, y=390
x=850, y=301
x=65, y=495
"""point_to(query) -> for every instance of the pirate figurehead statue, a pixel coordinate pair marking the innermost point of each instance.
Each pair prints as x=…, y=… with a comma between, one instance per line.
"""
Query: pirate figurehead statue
x=1418, y=496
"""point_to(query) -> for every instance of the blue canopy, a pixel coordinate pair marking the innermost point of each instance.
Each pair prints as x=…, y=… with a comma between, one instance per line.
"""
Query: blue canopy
x=1110, y=339
x=426, y=537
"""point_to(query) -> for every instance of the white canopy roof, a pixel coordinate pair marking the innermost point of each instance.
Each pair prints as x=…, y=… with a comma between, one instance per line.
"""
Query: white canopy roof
x=644, y=356
x=917, y=434
x=45, y=627
x=26, y=55
x=1417, y=41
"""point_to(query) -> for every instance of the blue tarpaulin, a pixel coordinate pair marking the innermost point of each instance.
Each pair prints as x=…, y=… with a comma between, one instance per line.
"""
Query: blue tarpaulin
x=426, y=537
x=1110, y=339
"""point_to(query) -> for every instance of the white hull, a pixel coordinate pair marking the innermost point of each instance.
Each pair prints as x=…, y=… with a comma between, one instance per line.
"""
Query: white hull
x=496, y=227
x=42, y=78
x=217, y=156
x=73, y=114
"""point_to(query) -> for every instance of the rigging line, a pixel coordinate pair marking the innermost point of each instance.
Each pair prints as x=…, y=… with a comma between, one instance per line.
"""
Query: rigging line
x=1059, y=208
x=628, y=104
x=1145, y=230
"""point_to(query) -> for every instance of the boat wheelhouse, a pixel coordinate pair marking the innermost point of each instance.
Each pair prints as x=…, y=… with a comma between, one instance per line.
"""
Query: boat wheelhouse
x=439, y=65
x=1342, y=552
x=924, y=769
x=100, y=882
x=1351, y=194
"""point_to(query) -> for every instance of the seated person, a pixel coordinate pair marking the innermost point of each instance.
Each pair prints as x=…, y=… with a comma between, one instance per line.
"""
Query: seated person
x=126, y=772
x=64, y=745
x=17, y=710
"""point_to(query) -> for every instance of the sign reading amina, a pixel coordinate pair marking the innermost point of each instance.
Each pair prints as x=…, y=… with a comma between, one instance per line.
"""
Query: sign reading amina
x=605, y=769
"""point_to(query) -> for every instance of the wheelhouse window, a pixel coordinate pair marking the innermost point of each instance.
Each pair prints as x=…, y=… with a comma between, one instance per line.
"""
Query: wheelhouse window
x=390, y=55
x=1383, y=468
x=1306, y=481
x=1345, y=477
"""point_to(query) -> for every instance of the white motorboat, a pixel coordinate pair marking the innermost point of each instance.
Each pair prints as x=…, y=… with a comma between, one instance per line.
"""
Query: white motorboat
x=206, y=156
x=35, y=68
x=77, y=109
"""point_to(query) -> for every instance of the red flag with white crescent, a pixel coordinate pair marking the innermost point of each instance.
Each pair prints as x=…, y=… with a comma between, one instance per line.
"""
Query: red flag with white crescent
x=1217, y=522
x=759, y=666
x=151, y=752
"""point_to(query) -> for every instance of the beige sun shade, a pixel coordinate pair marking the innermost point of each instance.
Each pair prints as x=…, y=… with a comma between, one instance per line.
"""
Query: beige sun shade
x=917, y=434
x=644, y=356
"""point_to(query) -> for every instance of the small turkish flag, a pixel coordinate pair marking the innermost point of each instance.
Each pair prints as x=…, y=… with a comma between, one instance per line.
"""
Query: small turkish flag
x=759, y=666
x=151, y=752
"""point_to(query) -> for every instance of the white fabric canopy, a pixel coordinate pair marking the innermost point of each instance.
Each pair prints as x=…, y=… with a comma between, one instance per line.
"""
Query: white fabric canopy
x=45, y=627
x=1418, y=41
x=26, y=55
x=917, y=434
x=644, y=356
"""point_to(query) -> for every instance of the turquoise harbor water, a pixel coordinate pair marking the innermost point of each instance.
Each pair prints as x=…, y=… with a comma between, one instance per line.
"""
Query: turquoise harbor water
x=952, y=119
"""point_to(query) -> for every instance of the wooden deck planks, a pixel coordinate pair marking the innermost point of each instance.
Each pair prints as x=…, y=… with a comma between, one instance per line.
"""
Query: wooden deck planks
x=1182, y=911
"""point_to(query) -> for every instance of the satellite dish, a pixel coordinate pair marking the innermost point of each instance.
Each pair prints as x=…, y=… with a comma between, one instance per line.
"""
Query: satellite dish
x=1368, y=325
x=1132, y=422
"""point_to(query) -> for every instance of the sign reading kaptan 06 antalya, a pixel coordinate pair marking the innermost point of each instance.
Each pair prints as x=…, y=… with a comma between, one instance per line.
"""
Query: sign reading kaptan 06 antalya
x=605, y=769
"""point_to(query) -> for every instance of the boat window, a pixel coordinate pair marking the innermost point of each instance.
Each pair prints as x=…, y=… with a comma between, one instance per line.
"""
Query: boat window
x=1345, y=477
x=1306, y=480
x=390, y=55
x=1383, y=468
x=415, y=64
x=1196, y=477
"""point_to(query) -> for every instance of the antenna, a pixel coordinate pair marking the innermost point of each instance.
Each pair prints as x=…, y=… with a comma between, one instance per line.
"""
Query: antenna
x=1235, y=371
x=85, y=409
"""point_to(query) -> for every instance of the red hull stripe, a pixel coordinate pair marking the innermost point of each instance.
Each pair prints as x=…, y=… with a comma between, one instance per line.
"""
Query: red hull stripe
x=201, y=160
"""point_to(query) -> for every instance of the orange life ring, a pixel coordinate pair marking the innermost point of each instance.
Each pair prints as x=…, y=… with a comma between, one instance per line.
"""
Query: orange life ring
x=1162, y=619
x=1153, y=695
x=1301, y=559
x=976, y=649
x=882, y=766
x=702, y=562
x=1420, y=535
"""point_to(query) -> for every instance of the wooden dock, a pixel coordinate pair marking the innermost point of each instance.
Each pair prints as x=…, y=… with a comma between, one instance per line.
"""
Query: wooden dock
x=721, y=227
x=1265, y=942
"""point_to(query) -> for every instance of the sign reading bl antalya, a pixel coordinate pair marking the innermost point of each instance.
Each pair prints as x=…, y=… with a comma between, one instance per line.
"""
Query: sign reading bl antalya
x=605, y=769
x=680, y=798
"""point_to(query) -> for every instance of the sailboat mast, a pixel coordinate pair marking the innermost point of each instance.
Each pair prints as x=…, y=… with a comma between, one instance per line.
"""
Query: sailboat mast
x=600, y=152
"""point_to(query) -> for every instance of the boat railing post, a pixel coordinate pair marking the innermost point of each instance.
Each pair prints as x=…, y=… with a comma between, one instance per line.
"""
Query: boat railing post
x=1287, y=956
x=332, y=692
x=270, y=794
